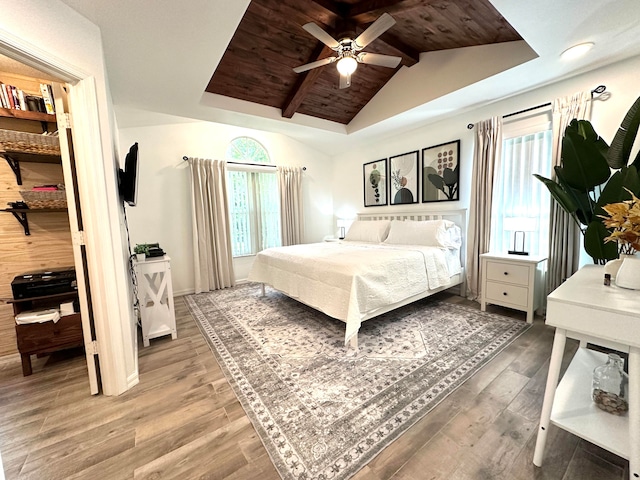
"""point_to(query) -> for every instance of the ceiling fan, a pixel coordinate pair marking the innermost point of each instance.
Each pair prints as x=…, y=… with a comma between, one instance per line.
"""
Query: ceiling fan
x=349, y=50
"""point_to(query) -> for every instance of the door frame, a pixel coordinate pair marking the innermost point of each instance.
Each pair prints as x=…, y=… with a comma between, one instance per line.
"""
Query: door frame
x=107, y=254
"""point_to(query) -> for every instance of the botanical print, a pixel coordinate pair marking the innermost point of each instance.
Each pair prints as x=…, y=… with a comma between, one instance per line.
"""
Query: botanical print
x=440, y=172
x=375, y=183
x=404, y=178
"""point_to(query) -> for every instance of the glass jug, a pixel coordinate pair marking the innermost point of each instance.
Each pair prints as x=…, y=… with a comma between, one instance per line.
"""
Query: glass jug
x=610, y=387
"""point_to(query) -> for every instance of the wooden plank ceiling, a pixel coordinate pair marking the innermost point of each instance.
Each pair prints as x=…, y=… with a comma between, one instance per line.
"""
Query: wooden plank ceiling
x=269, y=41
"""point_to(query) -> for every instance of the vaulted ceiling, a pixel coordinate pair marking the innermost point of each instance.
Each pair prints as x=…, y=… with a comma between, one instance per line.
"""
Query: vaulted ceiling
x=269, y=42
x=161, y=54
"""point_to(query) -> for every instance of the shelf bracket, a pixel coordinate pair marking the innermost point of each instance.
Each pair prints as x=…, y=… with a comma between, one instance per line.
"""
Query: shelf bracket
x=15, y=166
x=22, y=218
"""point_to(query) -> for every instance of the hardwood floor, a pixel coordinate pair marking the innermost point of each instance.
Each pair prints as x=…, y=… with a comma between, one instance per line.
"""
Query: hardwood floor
x=184, y=421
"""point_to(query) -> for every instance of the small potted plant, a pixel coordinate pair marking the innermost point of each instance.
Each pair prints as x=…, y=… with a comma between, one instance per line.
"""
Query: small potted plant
x=141, y=250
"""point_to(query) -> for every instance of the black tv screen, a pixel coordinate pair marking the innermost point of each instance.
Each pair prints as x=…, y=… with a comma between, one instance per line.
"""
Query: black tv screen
x=128, y=178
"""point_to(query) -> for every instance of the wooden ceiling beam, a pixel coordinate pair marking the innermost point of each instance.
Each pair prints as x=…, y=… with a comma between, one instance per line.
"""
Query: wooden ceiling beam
x=410, y=56
x=305, y=82
x=359, y=11
x=336, y=8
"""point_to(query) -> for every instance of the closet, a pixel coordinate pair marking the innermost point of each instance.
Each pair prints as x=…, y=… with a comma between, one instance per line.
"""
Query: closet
x=48, y=235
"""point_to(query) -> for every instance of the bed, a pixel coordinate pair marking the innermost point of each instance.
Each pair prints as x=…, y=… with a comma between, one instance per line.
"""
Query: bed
x=384, y=262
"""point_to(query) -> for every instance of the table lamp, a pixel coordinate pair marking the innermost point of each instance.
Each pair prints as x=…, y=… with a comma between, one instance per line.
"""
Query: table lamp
x=342, y=225
x=519, y=225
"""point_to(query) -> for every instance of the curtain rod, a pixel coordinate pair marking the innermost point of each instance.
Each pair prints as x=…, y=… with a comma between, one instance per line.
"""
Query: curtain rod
x=598, y=90
x=249, y=164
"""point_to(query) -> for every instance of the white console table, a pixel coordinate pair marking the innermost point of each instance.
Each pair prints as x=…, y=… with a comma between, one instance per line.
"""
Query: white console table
x=155, y=293
x=585, y=309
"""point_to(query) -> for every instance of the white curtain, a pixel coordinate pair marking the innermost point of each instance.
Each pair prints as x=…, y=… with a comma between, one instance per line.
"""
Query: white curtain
x=486, y=154
x=213, y=260
x=290, y=188
x=564, y=234
x=519, y=198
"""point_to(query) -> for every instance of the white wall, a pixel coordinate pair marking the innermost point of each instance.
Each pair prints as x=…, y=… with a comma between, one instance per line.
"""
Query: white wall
x=163, y=210
x=333, y=186
x=62, y=42
x=621, y=80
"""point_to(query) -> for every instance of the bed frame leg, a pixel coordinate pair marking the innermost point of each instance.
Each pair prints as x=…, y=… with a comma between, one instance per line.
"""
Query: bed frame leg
x=354, y=342
x=262, y=294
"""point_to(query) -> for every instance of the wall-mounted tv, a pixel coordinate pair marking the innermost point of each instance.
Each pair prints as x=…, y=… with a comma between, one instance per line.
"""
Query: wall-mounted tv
x=128, y=178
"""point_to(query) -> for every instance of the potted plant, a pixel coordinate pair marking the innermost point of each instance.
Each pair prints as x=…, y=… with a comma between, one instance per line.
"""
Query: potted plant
x=141, y=250
x=593, y=174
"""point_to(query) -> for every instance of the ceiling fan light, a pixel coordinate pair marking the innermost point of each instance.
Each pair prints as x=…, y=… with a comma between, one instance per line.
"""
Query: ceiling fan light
x=347, y=65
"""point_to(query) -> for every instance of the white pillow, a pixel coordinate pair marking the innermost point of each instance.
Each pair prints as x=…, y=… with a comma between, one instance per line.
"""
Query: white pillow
x=373, y=231
x=434, y=233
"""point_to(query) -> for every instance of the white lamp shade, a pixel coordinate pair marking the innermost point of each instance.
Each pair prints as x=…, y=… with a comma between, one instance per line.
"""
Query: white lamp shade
x=520, y=224
x=347, y=65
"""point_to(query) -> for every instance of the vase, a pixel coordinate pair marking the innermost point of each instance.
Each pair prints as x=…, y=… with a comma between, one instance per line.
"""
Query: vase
x=629, y=273
x=613, y=266
x=610, y=387
x=140, y=257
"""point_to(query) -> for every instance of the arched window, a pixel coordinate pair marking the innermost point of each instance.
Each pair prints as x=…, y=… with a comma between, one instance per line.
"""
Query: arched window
x=254, y=207
x=247, y=150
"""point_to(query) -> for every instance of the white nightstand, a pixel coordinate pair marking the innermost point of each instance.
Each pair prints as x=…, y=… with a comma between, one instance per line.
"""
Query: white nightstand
x=514, y=281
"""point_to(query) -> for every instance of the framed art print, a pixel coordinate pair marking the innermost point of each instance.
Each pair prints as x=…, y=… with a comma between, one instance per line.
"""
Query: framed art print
x=375, y=183
x=403, y=173
x=441, y=173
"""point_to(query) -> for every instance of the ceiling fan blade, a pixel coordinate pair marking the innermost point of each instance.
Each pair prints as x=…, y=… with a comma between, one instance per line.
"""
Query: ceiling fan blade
x=316, y=64
x=345, y=81
x=378, y=59
x=377, y=28
x=321, y=35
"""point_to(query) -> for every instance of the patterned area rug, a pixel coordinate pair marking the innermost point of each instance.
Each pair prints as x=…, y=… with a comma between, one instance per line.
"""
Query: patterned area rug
x=323, y=412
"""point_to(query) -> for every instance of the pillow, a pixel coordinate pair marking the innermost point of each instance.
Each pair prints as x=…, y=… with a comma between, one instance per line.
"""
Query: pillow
x=434, y=233
x=373, y=231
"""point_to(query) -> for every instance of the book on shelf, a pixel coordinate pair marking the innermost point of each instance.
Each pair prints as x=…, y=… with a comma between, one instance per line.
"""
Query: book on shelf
x=47, y=95
x=15, y=98
x=3, y=96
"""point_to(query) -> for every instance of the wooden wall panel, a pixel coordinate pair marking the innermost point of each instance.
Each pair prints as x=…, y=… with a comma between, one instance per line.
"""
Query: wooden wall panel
x=48, y=246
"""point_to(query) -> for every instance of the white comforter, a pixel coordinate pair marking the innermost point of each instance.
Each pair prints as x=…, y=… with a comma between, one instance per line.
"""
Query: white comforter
x=350, y=281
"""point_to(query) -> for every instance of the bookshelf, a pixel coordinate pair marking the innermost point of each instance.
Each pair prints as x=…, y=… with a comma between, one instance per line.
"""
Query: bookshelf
x=37, y=238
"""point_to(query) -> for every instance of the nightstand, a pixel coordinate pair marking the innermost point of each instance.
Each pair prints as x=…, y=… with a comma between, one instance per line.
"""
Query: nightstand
x=513, y=281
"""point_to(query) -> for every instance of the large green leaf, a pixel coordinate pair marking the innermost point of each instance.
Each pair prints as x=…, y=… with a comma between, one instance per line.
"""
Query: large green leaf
x=594, y=242
x=565, y=200
x=620, y=150
x=614, y=191
x=585, y=205
x=583, y=165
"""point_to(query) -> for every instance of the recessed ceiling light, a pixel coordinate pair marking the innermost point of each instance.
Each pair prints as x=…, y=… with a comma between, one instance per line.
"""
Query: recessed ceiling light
x=577, y=51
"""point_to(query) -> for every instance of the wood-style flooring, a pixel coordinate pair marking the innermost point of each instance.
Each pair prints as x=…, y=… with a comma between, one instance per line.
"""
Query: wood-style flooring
x=183, y=421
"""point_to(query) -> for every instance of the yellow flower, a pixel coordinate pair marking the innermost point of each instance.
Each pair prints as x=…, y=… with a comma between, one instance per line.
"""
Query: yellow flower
x=624, y=219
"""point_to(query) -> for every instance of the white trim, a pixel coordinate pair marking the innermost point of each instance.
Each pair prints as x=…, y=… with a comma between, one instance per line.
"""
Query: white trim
x=30, y=55
x=103, y=244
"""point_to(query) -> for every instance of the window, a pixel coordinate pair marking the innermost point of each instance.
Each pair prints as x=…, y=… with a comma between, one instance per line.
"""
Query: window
x=254, y=208
x=520, y=201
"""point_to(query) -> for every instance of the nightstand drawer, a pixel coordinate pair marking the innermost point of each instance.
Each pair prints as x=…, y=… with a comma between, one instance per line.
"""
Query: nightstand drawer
x=506, y=272
x=504, y=293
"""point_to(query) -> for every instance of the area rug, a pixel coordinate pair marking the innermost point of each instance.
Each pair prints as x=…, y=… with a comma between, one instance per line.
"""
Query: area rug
x=321, y=411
